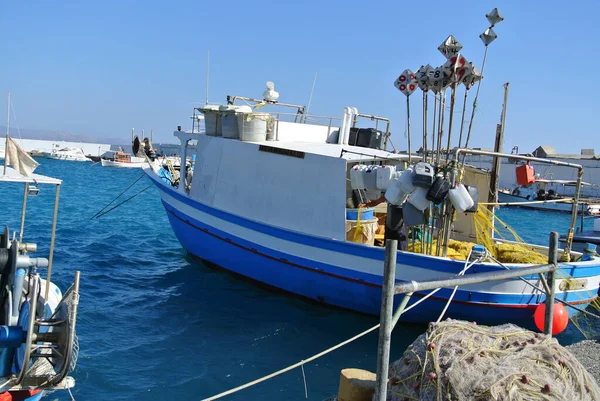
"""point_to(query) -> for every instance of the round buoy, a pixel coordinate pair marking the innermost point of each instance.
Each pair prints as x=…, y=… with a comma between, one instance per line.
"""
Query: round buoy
x=560, y=318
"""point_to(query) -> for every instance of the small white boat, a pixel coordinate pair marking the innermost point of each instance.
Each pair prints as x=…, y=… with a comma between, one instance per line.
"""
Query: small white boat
x=67, y=153
x=124, y=160
x=544, y=195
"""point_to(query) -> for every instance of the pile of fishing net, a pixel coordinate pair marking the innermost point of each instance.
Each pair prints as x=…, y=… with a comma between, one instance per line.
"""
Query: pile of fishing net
x=457, y=360
x=504, y=252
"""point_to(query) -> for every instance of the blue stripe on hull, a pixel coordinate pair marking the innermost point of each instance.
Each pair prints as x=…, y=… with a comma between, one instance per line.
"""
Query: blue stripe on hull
x=349, y=248
x=360, y=292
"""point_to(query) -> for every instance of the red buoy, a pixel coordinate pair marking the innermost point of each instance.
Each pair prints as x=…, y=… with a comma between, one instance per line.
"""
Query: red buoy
x=560, y=318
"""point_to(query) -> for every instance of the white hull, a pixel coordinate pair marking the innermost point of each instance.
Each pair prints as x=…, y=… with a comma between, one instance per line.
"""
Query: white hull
x=111, y=163
x=592, y=210
x=69, y=158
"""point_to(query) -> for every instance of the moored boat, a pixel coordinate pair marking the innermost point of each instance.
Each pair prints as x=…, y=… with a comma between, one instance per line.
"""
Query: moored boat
x=67, y=153
x=124, y=160
x=543, y=194
x=277, y=197
x=275, y=212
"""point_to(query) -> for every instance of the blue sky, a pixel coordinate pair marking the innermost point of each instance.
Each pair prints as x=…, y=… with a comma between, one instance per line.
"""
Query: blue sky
x=103, y=67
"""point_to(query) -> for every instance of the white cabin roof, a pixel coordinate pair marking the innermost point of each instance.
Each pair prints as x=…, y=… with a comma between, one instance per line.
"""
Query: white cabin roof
x=13, y=175
x=347, y=152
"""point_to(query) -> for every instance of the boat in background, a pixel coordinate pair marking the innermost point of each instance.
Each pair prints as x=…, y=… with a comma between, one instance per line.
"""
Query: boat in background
x=124, y=160
x=67, y=153
x=544, y=194
x=39, y=345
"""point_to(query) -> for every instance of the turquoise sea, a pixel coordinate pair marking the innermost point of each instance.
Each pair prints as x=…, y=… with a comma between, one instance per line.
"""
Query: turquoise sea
x=156, y=325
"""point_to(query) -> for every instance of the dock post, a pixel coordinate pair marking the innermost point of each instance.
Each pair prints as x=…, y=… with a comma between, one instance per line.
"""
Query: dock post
x=385, y=329
x=550, y=279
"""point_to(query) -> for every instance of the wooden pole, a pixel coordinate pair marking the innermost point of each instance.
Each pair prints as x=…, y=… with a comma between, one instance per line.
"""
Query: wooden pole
x=550, y=279
x=493, y=194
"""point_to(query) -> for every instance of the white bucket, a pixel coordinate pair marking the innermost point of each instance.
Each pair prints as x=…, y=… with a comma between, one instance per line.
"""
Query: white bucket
x=211, y=119
x=253, y=126
x=460, y=198
x=418, y=198
x=385, y=174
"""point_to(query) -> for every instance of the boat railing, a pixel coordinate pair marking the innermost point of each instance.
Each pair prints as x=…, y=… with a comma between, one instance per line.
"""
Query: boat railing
x=389, y=317
x=498, y=155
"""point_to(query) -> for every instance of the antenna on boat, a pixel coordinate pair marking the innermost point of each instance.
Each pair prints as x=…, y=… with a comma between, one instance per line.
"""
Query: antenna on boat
x=207, y=74
x=310, y=97
x=407, y=84
x=488, y=36
x=7, y=132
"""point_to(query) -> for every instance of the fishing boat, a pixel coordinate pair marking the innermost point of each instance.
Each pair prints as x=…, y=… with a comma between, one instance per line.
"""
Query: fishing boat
x=545, y=194
x=38, y=346
x=67, y=153
x=124, y=160
x=272, y=199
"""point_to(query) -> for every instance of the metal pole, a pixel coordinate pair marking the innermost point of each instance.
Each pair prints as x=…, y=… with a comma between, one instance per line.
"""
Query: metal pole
x=424, y=126
x=552, y=259
x=408, y=126
x=52, y=238
x=451, y=119
x=385, y=329
x=442, y=113
x=567, y=251
x=23, y=208
x=7, y=134
x=475, y=278
x=400, y=309
x=462, y=121
x=433, y=126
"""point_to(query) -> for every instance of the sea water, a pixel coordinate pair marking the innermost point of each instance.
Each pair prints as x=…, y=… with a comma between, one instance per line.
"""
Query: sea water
x=156, y=325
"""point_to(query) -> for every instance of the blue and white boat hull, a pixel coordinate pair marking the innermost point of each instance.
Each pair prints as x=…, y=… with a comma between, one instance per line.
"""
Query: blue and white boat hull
x=349, y=275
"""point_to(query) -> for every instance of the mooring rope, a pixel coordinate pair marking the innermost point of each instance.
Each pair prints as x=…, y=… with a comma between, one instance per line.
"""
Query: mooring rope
x=125, y=201
x=298, y=364
x=121, y=194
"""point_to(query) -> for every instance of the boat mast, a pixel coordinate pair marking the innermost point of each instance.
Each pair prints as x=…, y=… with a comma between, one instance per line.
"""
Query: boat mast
x=493, y=195
x=7, y=132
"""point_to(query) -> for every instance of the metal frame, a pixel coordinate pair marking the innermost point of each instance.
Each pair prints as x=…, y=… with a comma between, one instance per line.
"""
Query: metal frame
x=459, y=151
x=389, y=318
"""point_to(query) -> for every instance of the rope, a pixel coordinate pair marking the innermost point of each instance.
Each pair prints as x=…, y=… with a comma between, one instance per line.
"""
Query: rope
x=302, y=362
x=304, y=378
x=125, y=201
x=461, y=273
x=132, y=184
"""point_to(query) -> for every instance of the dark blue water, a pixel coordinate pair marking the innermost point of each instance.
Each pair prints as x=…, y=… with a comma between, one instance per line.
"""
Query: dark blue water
x=156, y=325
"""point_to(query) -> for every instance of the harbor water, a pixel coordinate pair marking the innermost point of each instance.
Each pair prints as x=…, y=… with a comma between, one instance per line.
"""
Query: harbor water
x=155, y=324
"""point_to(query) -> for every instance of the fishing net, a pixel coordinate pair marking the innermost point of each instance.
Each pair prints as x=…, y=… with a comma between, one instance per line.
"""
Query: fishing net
x=457, y=360
x=505, y=253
